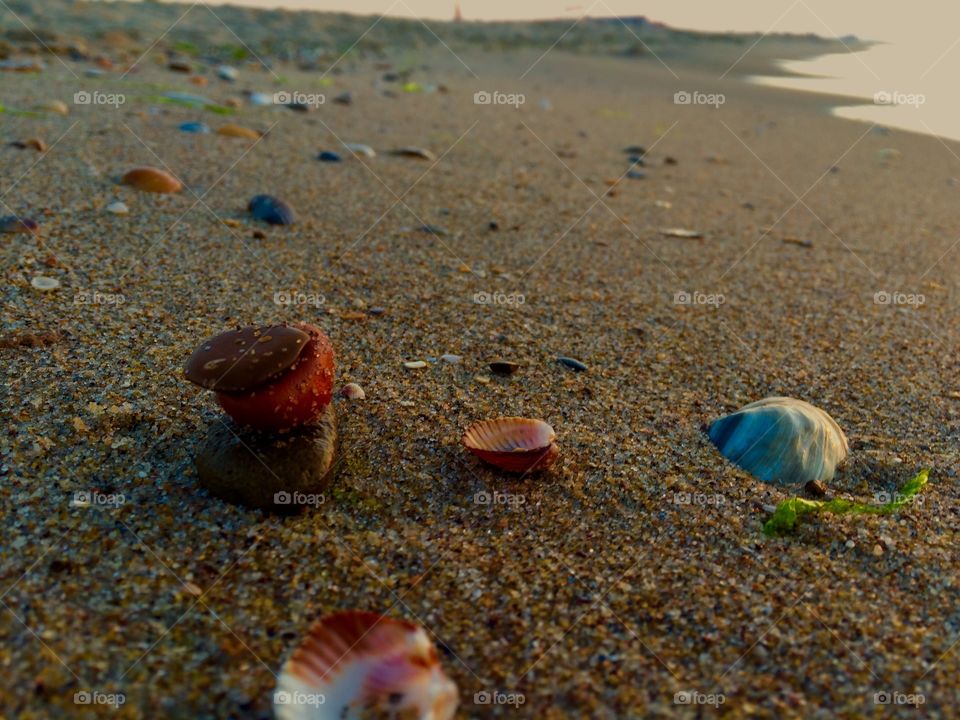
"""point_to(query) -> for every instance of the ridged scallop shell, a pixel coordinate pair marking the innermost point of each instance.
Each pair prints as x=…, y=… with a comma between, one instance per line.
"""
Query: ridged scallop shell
x=781, y=441
x=356, y=664
x=514, y=444
x=151, y=179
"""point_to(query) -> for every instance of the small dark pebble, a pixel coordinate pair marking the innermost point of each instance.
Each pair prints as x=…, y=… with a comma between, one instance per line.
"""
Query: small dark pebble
x=504, y=367
x=815, y=488
x=344, y=98
x=377, y=310
x=747, y=206
x=259, y=235
x=30, y=340
x=636, y=175
x=16, y=224
x=635, y=150
x=327, y=156
x=271, y=210
x=572, y=363
x=669, y=160
x=180, y=66
x=298, y=107
x=434, y=229
x=637, y=160
x=493, y=225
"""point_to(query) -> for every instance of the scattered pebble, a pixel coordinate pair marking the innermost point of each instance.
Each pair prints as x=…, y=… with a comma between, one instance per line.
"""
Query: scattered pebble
x=352, y=391
x=151, y=179
x=504, y=367
x=271, y=210
x=35, y=143
x=228, y=73
x=635, y=150
x=327, y=156
x=180, y=66
x=344, y=98
x=681, y=233
x=17, y=224
x=572, y=363
x=636, y=175
x=361, y=149
x=118, y=208
x=414, y=152
x=238, y=131
x=42, y=282
x=433, y=229
x=195, y=127
x=798, y=241
x=414, y=364
x=260, y=99
x=30, y=340
x=670, y=160
x=452, y=359
x=55, y=106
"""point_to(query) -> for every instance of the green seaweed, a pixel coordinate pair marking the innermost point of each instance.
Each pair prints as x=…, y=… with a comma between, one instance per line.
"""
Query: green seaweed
x=790, y=512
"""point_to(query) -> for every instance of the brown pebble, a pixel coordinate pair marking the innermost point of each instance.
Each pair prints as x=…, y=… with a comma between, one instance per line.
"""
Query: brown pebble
x=815, y=488
x=504, y=367
x=238, y=131
x=151, y=179
x=30, y=340
x=259, y=235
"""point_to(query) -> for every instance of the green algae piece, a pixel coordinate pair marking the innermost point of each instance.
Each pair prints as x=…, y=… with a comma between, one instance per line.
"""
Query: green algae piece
x=790, y=512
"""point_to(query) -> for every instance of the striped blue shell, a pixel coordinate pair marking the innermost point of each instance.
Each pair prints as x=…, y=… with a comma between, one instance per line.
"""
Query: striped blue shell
x=781, y=441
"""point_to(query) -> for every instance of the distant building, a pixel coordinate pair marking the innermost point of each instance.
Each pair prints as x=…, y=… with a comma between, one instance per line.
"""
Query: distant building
x=457, y=15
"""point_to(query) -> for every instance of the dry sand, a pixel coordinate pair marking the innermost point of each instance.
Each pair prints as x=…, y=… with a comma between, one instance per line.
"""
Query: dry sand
x=599, y=595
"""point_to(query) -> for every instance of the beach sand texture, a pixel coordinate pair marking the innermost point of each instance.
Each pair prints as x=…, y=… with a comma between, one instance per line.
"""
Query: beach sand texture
x=596, y=589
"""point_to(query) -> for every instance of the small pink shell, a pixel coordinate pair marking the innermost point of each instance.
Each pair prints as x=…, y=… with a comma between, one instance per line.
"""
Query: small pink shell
x=514, y=444
x=355, y=661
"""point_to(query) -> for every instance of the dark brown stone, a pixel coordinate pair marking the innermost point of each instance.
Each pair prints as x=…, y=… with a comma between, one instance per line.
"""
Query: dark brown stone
x=285, y=474
x=244, y=359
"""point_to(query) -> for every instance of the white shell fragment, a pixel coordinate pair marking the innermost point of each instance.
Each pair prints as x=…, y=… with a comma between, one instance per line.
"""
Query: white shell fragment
x=781, y=441
x=361, y=149
x=42, y=282
x=414, y=364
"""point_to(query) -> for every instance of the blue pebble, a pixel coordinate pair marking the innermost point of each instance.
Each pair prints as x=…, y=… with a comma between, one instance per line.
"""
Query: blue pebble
x=195, y=127
x=271, y=210
x=572, y=363
x=327, y=156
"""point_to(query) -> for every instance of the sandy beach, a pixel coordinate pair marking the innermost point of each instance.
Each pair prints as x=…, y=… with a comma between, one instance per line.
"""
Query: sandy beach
x=633, y=570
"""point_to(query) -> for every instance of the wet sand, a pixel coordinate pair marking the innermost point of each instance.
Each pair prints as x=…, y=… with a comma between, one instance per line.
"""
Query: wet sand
x=594, y=590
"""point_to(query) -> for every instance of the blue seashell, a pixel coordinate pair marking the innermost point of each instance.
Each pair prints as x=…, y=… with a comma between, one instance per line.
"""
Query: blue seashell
x=327, y=156
x=781, y=441
x=195, y=127
x=271, y=210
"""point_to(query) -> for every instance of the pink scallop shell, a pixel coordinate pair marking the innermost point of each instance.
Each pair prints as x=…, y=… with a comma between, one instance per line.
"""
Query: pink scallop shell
x=356, y=662
x=514, y=444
